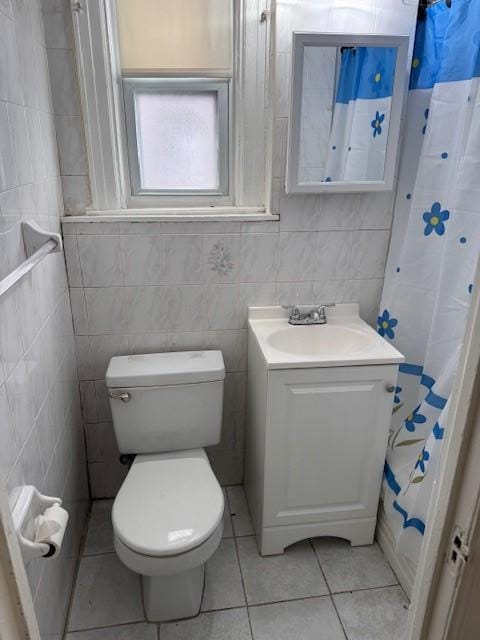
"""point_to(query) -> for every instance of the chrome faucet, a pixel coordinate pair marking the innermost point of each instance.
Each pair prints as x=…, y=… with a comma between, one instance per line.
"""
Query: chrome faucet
x=314, y=316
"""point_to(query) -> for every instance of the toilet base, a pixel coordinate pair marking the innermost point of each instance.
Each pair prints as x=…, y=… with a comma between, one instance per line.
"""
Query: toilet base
x=175, y=596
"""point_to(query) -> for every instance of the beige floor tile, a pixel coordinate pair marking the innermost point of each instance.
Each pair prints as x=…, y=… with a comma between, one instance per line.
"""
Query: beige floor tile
x=348, y=568
x=375, y=614
x=216, y=625
x=223, y=583
x=242, y=523
x=227, y=520
x=142, y=631
x=312, y=619
x=106, y=594
x=100, y=532
x=294, y=574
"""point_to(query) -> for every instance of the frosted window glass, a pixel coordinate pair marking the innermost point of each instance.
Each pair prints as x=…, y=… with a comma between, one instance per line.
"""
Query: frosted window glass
x=177, y=136
x=175, y=34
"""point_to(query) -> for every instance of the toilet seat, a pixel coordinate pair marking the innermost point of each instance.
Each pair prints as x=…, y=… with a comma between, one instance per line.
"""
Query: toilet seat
x=168, y=505
x=169, y=565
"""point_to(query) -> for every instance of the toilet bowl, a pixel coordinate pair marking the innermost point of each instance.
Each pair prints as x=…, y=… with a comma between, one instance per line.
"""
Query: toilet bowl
x=167, y=522
x=168, y=514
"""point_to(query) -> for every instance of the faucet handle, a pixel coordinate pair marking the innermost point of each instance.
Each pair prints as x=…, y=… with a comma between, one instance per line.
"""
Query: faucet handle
x=320, y=311
x=293, y=310
x=326, y=304
x=321, y=307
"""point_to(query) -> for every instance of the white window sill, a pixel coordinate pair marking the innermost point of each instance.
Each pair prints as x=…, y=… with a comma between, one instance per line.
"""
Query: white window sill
x=200, y=214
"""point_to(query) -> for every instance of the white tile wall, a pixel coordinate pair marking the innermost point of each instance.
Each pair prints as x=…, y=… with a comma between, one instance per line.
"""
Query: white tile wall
x=139, y=287
x=66, y=104
x=40, y=419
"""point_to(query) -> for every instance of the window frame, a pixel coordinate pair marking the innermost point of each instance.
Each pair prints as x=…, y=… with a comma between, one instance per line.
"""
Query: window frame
x=250, y=121
x=220, y=86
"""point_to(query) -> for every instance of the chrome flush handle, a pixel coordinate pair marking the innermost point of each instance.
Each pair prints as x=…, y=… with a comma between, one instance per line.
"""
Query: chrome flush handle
x=117, y=394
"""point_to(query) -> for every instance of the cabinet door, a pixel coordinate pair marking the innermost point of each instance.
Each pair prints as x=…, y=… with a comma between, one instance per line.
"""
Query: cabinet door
x=326, y=440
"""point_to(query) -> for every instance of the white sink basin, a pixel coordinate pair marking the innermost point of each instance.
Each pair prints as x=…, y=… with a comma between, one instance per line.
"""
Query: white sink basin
x=345, y=340
x=321, y=340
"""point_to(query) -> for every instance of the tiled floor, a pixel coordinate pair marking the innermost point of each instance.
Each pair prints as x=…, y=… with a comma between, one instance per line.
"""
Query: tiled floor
x=318, y=590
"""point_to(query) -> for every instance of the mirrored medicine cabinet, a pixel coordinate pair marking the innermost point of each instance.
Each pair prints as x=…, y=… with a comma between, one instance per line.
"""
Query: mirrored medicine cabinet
x=345, y=112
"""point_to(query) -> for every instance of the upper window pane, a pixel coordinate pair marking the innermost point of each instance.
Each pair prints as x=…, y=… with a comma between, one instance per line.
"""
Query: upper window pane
x=174, y=35
x=177, y=138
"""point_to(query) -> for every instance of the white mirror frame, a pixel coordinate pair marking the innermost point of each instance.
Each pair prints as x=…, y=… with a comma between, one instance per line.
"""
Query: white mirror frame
x=300, y=41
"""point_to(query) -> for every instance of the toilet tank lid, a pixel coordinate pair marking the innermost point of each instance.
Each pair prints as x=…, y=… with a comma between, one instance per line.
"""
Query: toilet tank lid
x=158, y=369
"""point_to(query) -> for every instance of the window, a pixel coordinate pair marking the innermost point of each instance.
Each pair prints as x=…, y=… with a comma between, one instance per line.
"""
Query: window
x=177, y=135
x=177, y=112
x=175, y=104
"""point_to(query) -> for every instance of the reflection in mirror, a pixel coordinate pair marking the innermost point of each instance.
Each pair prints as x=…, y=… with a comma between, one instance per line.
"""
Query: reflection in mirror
x=345, y=113
x=348, y=92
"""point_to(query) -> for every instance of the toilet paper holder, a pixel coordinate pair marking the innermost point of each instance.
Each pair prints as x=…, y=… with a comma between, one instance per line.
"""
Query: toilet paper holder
x=29, y=505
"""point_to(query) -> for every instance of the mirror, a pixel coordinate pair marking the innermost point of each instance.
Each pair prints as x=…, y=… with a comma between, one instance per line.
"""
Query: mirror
x=347, y=98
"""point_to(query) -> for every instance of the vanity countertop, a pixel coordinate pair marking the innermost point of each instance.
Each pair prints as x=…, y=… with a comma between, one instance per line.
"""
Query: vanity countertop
x=345, y=340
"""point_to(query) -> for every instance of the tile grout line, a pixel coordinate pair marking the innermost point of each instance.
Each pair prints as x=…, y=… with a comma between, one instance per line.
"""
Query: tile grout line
x=220, y=609
x=392, y=570
x=385, y=586
x=325, y=595
x=244, y=589
x=328, y=587
x=114, y=626
x=233, y=608
x=227, y=507
x=100, y=553
x=80, y=556
x=301, y=599
x=240, y=567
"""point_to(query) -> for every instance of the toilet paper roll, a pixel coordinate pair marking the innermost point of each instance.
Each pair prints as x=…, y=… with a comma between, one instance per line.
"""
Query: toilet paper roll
x=50, y=528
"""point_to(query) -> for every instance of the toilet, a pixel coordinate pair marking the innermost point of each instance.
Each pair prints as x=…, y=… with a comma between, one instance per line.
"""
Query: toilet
x=168, y=514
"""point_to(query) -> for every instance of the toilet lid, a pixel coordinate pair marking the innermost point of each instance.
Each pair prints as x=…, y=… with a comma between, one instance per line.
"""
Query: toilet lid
x=168, y=503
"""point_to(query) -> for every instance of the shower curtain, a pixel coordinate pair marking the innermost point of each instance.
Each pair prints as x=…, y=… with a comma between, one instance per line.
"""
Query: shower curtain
x=433, y=256
x=359, y=131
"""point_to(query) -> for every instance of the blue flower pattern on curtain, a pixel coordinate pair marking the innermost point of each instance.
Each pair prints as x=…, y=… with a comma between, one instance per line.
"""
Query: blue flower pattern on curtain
x=435, y=219
x=396, y=397
x=376, y=123
x=413, y=420
x=421, y=460
x=386, y=324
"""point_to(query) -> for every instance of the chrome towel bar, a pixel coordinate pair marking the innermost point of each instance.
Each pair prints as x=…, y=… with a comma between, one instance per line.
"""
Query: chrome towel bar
x=38, y=244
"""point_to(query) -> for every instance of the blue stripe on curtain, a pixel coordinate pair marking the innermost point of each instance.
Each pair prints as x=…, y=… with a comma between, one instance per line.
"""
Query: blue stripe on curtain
x=435, y=401
x=390, y=478
x=416, y=523
x=411, y=369
x=432, y=398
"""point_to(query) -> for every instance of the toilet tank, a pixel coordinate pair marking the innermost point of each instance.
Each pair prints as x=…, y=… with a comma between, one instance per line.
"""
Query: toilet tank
x=166, y=401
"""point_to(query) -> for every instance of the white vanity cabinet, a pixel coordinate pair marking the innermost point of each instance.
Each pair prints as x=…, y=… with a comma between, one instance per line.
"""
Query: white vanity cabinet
x=316, y=444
